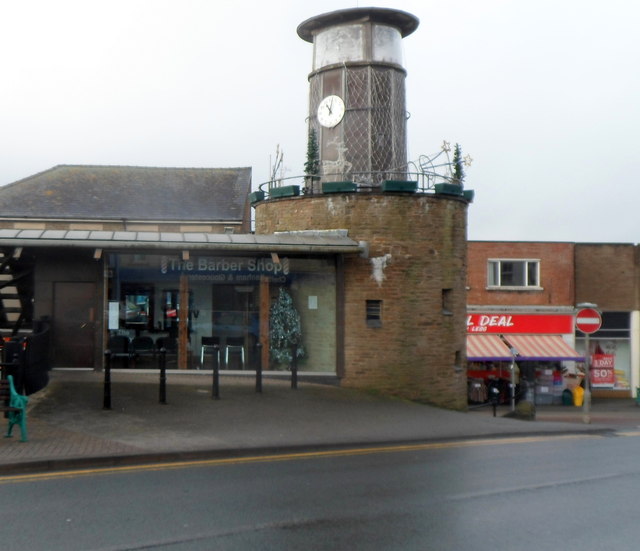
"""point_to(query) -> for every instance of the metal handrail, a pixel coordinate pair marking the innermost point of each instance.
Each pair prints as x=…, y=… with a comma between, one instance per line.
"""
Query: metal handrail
x=369, y=181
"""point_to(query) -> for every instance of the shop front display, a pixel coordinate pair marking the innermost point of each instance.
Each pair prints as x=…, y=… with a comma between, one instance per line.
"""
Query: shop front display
x=610, y=351
x=217, y=308
x=528, y=351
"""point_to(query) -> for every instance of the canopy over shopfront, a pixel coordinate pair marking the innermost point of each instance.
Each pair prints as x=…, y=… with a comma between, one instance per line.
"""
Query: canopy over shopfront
x=328, y=241
x=487, y=348
x=545, y=348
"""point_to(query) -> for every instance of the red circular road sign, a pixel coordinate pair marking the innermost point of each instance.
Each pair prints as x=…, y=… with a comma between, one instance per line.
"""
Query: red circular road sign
x=588, y=320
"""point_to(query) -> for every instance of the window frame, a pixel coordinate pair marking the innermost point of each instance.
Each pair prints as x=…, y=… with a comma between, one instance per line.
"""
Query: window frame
x=494, y=268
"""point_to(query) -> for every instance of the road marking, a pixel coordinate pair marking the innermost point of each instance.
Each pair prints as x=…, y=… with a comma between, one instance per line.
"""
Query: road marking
x=34, y=477
x=628, y=433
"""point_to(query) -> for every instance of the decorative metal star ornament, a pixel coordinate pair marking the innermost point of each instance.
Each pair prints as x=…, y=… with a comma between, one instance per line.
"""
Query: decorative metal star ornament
x=446, y=146
x=467, y=160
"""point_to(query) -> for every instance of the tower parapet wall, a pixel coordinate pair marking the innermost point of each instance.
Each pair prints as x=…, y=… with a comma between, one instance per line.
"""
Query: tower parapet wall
x=416, y=267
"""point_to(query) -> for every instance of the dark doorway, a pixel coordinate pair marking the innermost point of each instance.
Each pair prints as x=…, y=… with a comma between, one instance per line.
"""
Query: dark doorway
x=74, y=324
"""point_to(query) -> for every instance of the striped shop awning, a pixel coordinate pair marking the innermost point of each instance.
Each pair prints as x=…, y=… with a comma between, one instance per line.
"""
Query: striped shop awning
x=543, y=348
x=486, y=348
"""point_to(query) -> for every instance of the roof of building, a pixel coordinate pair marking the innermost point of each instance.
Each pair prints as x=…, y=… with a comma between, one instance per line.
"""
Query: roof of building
x=129, y=192
x=405, y=22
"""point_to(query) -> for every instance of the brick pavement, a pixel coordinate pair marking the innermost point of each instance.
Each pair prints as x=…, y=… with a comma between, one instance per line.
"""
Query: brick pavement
x=48, y=442
x=68, y=426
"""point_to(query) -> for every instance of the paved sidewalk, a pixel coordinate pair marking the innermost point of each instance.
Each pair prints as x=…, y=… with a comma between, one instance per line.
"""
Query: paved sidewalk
x=69, y=428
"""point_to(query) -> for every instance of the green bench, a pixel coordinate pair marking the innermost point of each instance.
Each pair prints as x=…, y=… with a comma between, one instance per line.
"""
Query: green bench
x=15, y=407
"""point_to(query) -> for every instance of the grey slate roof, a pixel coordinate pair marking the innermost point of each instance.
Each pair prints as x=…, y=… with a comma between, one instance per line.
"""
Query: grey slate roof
x=132, y=193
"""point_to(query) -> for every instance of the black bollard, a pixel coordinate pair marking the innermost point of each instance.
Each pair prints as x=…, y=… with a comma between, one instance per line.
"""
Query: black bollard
x=259, y=368
x=215, y=391
x=106, y=401
x=294, y=367
x=162, y=364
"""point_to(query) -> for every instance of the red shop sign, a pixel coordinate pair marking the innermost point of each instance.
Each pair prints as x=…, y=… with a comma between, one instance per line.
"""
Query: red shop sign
x=520, y=323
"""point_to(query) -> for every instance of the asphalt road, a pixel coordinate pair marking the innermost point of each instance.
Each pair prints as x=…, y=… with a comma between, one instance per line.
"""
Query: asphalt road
x=563, y=492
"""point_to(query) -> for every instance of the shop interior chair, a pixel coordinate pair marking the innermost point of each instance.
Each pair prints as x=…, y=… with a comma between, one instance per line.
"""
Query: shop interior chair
x=170, y=346
x=234, y=345
x=119, y=348
x=207, y=345
x=142, y=346
x=168, y=343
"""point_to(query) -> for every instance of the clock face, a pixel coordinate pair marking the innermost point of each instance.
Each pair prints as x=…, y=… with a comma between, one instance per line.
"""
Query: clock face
x=330, y=111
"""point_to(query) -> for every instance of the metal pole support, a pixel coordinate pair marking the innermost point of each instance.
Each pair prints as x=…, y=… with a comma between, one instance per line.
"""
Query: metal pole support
x=106, y=400
x=586, y=398
x=162, y=361
x=513, y=385
x=259, y=369
x=215, y=391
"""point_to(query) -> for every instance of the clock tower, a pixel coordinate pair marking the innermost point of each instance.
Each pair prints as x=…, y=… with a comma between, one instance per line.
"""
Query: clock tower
x=400, y=304
x=357, y=93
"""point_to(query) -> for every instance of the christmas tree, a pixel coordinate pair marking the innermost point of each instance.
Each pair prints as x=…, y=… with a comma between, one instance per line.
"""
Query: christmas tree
x=285, y=330
x=312, y=166
x=458, y=169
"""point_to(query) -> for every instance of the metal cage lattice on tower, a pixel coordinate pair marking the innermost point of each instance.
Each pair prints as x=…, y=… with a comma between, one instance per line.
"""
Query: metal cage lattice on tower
x=369, y=144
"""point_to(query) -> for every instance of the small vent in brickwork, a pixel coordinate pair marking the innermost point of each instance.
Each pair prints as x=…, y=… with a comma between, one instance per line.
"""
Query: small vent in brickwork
x=374, y=313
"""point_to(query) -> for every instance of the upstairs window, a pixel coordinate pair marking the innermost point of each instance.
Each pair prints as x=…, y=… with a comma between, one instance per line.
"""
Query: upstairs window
x=513, y=273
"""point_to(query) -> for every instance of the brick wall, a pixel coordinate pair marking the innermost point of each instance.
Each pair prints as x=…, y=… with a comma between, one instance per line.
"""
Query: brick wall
x=606, y=274
x=417, y=250
x=556, y=273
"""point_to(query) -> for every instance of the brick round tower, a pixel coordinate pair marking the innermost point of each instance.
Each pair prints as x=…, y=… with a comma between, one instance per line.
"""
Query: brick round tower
x=403, y=301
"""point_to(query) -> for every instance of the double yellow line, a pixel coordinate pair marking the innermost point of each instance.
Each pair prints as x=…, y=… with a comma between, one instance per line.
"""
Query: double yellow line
x=34, y=477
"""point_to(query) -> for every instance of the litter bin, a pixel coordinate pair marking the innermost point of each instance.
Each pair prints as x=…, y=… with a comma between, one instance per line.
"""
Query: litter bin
x=567, y=397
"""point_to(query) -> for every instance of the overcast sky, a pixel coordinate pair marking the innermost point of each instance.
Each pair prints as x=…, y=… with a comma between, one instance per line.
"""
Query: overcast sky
x=543, y=94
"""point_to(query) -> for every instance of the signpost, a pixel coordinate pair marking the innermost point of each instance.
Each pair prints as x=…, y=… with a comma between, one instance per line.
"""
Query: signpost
x=588, y=321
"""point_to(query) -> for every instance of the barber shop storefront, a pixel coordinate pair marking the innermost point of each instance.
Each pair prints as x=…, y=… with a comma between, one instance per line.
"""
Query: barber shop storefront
x=533, y=350
x=202, y=297
x=203, y=308
x=184, y=273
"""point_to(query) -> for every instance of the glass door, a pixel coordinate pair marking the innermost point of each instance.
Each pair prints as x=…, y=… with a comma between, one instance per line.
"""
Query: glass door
x=235, y=325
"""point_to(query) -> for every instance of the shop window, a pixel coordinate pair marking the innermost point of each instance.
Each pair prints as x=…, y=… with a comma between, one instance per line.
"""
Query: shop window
x=615, y=325
x=374, y=313
x=512, y=273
